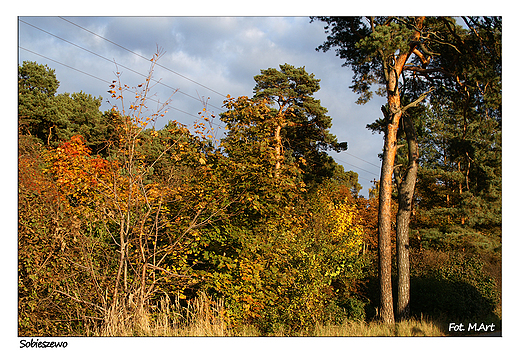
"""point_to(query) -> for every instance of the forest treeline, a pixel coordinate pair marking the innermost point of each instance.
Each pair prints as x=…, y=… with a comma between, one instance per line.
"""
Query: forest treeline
x=116, y=216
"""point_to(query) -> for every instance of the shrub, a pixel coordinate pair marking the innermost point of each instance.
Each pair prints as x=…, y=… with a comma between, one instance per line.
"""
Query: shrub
x=290, y=271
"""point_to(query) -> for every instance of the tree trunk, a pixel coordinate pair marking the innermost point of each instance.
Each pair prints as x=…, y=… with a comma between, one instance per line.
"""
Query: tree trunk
x=385, y=226
x=405, y=196
x=392, y=117
x=278, y=149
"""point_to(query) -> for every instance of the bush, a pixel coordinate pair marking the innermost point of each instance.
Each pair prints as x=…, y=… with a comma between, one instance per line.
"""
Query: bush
x=291, y=271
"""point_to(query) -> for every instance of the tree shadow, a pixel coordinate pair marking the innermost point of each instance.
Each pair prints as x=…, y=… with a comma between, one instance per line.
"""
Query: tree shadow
x=443, y=302
x=448, y=302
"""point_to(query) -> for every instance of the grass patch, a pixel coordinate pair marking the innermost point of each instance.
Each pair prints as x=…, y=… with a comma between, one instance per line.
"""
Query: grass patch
x=409, y=328
x=205, y=317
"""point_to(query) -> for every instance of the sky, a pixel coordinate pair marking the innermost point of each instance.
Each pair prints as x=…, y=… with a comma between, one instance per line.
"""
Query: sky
x=204, y=59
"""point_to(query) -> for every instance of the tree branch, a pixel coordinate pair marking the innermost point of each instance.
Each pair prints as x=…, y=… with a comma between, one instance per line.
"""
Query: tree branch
x=417, y=101
x=79, y=300
x=425, y=72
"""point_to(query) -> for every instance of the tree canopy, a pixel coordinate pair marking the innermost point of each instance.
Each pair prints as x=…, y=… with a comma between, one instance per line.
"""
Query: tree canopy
x=52, y=117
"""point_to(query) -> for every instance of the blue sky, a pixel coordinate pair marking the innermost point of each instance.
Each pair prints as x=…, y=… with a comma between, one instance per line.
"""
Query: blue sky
x=219, y=53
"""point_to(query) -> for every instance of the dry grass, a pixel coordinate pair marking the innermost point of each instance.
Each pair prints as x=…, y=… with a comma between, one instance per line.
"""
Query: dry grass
x=205, y=317
x=202, y=317
x=410, y=328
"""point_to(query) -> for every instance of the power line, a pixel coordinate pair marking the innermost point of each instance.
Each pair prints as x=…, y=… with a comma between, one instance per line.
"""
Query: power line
x=336, y=159
x=93, y=76
x=139, y=55
x=107, y=59
x=359, y=158
x=372, y=173
x=68, y=66
x=348, y=163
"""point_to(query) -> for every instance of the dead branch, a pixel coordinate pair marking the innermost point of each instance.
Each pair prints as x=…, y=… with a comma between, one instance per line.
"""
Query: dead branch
x=82, y=301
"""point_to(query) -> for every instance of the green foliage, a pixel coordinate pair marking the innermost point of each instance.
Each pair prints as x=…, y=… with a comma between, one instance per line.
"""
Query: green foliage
x=54, y=118
x=460, y=178
x=37, y=78
x=305, y=125
x=387, y=38
x=37, y=85
x=369, y=46
x=81, y=113
x=292, y=271
x=251, y=164
x=271, y=264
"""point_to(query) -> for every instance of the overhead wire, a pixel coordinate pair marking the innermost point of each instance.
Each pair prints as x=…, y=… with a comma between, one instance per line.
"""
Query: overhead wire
x=119, y=64
x=345, y=162
x=93, y=76
x=139, y=55
x=359, y=158
x=371, y=172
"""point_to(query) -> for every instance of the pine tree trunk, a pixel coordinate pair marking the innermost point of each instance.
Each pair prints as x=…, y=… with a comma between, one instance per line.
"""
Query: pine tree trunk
x=385, y=226
x=405, y=196
x=392, y=117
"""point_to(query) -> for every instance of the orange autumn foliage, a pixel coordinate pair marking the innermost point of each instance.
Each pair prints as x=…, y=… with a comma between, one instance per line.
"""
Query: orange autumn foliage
x=76, y=172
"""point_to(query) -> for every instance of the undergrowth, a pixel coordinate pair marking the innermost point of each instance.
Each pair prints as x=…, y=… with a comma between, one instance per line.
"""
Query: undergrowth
x=206, y=317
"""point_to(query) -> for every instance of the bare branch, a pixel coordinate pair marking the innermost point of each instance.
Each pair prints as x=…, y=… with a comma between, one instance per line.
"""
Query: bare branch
x=417, y=101
x=82, y=301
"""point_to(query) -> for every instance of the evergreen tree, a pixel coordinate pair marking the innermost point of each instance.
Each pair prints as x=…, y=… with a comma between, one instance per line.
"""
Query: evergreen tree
x=37, y=113
x=80, y=114
x=299, y=122
x=53, y=118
